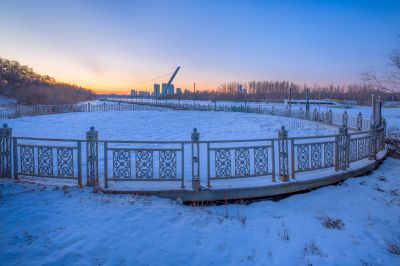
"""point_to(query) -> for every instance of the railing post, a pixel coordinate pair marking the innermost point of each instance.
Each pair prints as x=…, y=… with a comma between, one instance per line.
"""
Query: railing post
x=347, y=151
x=384, y=124
x=379, y=112
x=376, y=112
x=92, y=157
x=283, y=154
x=5, y=151
x=79, y=150
x=105, y=164
x=359, y=121
x=330, y=116
x=342, y=149
x=15, y=157
x=373, y=138
x=345, y=119
x=373, y=116
x=195, y=159
x=88, y=105
x=301, y=113
x=315, y=114
x=292, y=158
x=381, y=138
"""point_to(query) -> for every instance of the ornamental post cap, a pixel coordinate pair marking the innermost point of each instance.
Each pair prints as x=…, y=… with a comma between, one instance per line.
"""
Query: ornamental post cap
x=194, y=129
x=92, y=128
x=5, y=125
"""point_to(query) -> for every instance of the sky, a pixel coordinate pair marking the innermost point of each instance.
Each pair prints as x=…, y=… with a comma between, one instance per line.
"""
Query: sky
x=116, y=46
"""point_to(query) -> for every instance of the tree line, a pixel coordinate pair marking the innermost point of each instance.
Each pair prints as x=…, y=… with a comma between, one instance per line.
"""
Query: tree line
x=29, y=88
x=281, y=90
x=386, y=85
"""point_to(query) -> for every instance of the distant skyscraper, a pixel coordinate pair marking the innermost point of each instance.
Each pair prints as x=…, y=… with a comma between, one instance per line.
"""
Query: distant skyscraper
x=239, y=89
x=133, y=92
x=178, y=91
x=171, y=89
x=156, y=91
x=164, y=89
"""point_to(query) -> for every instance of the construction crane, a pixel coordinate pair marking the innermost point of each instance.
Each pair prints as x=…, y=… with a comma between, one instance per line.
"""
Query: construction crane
x=170, y=82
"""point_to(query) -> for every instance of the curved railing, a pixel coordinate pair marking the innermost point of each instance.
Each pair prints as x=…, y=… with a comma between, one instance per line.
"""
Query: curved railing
x=189, y=164
x=182, y=162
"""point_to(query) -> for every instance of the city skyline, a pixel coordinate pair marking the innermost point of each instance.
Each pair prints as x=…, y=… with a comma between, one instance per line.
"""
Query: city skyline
x=117, y=47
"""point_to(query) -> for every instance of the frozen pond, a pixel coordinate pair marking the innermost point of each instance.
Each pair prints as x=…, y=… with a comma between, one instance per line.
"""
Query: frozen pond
x=164, y=125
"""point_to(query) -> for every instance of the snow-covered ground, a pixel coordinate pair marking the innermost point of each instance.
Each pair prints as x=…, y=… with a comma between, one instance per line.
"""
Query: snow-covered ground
x=47, y=225
x=164, y=125
x=54, y=226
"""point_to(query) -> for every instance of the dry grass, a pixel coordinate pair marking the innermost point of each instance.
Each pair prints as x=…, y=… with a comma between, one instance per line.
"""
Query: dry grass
x=394, y=146
x=66, y=190
x=394, y=248
x=363, y=183
x=382, y=178
x=394, y=192
x=332, y=223
x=242, y=218
x=312, y=249
x=378, y=188
x=284, y=234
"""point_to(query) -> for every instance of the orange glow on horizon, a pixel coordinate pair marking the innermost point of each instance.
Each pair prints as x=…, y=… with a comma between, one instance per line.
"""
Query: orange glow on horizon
x=106, y=86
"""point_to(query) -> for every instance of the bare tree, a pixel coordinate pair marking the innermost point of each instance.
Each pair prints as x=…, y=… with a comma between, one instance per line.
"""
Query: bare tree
x=390, y=80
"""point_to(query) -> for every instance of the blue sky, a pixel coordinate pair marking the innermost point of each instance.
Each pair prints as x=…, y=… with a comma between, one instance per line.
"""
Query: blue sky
x=120, y=45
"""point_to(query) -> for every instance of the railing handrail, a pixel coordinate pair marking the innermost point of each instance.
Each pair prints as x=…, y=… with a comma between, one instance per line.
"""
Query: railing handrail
x=116, y=141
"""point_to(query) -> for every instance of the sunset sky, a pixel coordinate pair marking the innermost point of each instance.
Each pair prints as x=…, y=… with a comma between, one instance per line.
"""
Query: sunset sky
x=116, y=46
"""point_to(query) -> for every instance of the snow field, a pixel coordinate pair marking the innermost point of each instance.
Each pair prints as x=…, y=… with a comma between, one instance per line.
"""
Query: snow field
x=164, y=125
x=50, y=225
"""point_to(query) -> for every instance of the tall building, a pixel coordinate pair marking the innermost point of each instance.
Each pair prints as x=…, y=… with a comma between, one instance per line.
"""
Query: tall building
x=156, y=91
x=164, y=89
x=178, y=91
x=133, y=92
x=171, y=89
x=239, y=89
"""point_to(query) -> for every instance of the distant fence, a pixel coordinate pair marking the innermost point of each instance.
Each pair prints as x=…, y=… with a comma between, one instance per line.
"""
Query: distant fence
x=195, y=161
x=22, y=110
x=358, y=122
